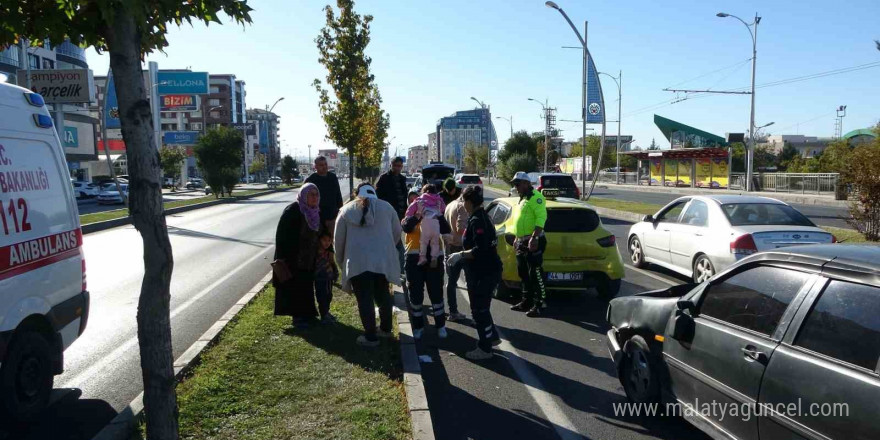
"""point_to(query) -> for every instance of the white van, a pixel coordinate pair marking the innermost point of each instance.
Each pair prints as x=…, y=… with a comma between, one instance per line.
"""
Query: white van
x=44, y=304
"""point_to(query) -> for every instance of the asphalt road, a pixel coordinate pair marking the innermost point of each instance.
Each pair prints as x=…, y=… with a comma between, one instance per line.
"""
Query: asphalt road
x=552, y=377
x=220, y=252
x=91, y=206
x=821, y=215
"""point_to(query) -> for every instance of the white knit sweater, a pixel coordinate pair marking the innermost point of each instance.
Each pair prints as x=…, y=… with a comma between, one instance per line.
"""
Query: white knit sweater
x=368, y=248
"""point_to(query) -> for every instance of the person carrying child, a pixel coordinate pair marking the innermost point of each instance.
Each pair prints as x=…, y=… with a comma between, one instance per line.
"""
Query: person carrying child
x=428, y=206
x=326, y=272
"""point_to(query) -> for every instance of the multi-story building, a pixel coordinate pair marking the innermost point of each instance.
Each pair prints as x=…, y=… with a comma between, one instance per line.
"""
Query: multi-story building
x=417, y=158
x=79, y=124
x=433, y=146
x=267, y=132
x=462, y=128
x=332, y=157
x=807, y=146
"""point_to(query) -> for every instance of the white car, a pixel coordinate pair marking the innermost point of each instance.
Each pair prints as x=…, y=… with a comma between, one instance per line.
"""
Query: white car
x=466, y=180
x=84, y=190
x=698, y=236
x=111, y=196
x=44, y=304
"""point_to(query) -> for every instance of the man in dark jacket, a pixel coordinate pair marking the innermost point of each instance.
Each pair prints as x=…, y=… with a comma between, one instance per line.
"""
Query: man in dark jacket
x=451, y=191
x=391, y=187
x=328, y=187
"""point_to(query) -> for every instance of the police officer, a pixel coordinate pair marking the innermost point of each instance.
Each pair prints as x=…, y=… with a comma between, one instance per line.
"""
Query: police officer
x=482, y=268
x=530, y=215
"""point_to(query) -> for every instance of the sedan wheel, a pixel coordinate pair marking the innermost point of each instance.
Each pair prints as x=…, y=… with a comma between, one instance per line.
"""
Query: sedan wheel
x=703, y=269
x=636, y=254
x=638, y=373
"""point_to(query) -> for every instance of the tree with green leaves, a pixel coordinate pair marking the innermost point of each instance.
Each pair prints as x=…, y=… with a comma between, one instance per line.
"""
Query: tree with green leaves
x=520, y=143
x=653, y=146
x=258, y=164
x=171, y=159
x=836, y=157
x=129, y=29
x=218, y=154
x=289, y=168
x=353, y=114
x=786, y=155
x=476, y=158
x=517, y=162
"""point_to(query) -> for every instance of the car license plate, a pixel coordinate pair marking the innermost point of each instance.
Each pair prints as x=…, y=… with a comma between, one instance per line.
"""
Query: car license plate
x=565, y=276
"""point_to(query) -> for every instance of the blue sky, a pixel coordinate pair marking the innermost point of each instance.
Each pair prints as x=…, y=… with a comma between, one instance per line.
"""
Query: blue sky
x=429, y=58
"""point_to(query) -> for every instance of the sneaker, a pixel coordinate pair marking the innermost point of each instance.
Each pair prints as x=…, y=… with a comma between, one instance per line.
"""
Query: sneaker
x=417, y=333
x=383, y=334
x=456, y=316
x=496, y=342
x=478, y=354
x=364, y=342
x=328, y=319
x=441, y=333
x=433, y=263
x=534, y=312
x=521, y=307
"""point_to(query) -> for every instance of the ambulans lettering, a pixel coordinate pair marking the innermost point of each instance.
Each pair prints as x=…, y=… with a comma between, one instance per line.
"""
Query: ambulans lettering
x=35, y=253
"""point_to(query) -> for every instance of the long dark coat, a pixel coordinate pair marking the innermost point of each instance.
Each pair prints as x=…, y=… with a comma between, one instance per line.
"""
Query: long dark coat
x=297, y=245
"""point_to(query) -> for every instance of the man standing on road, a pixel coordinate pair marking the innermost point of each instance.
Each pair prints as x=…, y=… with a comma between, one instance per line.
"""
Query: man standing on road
x=529, y=216
x=391, y=187
x=331, y=195
x=457, y=217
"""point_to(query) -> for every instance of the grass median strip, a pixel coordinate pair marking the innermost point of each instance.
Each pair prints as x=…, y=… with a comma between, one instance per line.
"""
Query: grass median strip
x=264, y=380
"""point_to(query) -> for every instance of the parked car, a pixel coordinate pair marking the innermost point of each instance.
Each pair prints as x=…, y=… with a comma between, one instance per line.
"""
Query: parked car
x=793, y=327
x=580, y=252
x=698, y=236
x=435, y=173
x=111, y=196
x=297, y=179
x=44, y=304
x=273, y=181
x=195, y=183
x=410, y=181
x=84, y=190
x=553, y=185
x=466, y=180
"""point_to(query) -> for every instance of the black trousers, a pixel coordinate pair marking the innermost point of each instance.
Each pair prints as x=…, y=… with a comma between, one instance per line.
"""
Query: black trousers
x=324, y=295
x=481, y=286
x=530, y=266
x=419, y=278
x=370, y=288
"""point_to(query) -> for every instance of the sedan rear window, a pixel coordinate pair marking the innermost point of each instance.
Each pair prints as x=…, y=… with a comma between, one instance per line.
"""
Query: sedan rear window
x=470, y=179
x=557, y=182
x=571, y=220
x=750, y=214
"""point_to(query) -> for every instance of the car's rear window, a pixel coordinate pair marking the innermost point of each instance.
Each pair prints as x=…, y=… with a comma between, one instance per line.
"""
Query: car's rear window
x=756, y=214
x=571, y=220
x=557, y=182
x=436, y=174
x=470, y=179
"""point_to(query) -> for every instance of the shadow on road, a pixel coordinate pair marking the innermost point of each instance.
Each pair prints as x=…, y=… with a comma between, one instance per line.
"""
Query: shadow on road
x=173, y=230
x=69, y=418
x=339, y=339
x=262, y=202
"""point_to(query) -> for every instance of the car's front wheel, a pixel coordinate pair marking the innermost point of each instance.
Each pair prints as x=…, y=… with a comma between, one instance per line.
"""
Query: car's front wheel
x=638, y=373
x=703, y=269
x=636, y=252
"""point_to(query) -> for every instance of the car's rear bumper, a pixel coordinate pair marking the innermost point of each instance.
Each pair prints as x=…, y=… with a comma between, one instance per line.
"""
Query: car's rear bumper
x=613, y=345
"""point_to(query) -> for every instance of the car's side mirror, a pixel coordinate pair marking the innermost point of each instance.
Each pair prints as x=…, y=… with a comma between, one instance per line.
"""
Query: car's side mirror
x=686, y=305
x=683, y=327
x=648, y=218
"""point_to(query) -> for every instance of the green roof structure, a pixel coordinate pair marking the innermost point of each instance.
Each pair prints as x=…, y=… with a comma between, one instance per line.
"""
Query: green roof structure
x=861, y=132
x=686, y=136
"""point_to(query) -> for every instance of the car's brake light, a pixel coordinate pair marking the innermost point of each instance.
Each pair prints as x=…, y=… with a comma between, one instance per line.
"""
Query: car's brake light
x=577, y=193
x=479, y=181
x=744, y=244
x=607, y=241
x=539, y=188
x=833, y=238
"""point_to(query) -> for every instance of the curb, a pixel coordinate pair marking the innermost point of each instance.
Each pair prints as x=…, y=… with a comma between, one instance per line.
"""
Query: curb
x=416, y=398
x=121, y=427
x=122, y=221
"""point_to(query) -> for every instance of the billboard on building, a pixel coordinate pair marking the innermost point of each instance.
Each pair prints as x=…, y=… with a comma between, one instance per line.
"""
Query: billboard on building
x=180, y=137
x=183, y=83
x=329, y=154
x=61, y=85
x=179, y=103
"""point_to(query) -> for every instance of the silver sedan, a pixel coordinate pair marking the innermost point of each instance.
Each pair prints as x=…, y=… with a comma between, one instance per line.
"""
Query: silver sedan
x=697, y=236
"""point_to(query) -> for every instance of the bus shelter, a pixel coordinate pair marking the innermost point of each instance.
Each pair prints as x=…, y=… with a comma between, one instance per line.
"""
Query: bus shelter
x=684, y=167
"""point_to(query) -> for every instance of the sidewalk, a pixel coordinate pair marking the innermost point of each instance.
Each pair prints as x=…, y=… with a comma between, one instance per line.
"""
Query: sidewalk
x=797, y=198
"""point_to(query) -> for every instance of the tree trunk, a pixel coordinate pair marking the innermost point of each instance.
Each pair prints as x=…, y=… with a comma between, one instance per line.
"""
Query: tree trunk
x=147, y=212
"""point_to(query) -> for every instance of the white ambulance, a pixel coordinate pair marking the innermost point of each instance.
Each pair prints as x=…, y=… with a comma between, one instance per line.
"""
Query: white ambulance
x=44, y=304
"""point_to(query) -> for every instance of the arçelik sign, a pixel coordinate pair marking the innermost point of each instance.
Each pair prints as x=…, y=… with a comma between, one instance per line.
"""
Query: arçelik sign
x=61, y=86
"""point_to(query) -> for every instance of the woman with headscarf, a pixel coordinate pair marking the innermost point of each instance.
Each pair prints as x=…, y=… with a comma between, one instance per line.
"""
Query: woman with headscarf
x=296, y=247
x=366, y=237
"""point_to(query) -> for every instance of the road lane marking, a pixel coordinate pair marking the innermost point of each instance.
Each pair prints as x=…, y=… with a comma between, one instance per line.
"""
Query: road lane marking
x=652, y=275
x=545, y=401
x=132, y=342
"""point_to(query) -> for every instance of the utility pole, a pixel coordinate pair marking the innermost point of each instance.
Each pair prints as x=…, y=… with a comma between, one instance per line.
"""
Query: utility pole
x=838, y=123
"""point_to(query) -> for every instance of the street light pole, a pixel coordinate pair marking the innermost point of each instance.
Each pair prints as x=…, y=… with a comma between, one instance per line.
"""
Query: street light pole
x=750, y=151
x=618, y=80
x=508, y=120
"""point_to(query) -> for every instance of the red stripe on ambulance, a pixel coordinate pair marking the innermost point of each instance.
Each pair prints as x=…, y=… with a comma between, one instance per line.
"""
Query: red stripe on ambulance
x=28, y=255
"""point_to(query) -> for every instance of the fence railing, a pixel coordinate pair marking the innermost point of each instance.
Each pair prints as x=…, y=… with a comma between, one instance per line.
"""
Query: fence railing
x=805, y=183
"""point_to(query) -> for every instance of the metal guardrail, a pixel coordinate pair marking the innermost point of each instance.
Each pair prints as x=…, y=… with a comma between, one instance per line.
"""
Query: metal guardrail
x=804, y=183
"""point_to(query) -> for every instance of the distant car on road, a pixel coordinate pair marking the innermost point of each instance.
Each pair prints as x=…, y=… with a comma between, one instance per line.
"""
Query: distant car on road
x=195, y=183
x=435, y=173
x=553, y=185
x=466, y=180
x=698, y=236
x=788, y=328
x=84, y=190
x=297, y=179
x=273, y=181
x=112, y=196
x=580, y=252
x=410, y=181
